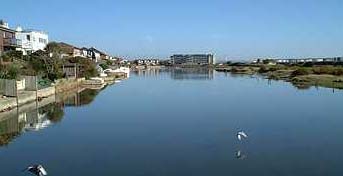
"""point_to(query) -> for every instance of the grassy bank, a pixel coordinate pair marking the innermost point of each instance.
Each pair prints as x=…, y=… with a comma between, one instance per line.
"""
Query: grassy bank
x=299, y=76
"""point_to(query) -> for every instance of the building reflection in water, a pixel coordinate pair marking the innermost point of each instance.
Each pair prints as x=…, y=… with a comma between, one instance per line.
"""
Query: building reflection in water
x=196, y=73
x=80, y=98
x=40, y=115
x=192, y=73
x=147, y=72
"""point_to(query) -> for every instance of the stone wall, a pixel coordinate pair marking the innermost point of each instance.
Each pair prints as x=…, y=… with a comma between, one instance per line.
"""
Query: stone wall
x=68, y=84
x=46, y=92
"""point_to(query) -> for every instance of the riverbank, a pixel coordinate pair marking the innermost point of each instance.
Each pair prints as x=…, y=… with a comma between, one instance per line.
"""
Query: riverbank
x=299, y=76
x=59, y=87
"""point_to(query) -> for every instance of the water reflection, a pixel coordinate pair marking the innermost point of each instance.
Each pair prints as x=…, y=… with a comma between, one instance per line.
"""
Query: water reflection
x=192, y=73
x=196, y=73
x=80, y=98
x=147, y=72
x=40, y=115
x=240, y=155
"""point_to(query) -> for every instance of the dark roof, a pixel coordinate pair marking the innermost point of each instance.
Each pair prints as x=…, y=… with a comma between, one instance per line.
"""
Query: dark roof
x=96, y=50
x=6, y=29
x=62, y=44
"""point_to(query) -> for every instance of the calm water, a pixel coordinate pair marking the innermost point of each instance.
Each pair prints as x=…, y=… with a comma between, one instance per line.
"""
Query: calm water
x=180, y=122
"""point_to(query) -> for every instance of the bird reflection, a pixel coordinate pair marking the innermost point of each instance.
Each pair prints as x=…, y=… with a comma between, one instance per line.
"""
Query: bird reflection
x=240, y=155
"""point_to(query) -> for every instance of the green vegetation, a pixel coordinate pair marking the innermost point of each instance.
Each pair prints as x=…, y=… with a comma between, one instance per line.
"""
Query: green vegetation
x=87, y=68
x=46, y=64
x=9, y=71
x=104, y=66
x=301, y=76
x=301, y=71
x=54, y=112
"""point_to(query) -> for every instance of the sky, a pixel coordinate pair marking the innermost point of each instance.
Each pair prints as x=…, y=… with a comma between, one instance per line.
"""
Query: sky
x=230, y=29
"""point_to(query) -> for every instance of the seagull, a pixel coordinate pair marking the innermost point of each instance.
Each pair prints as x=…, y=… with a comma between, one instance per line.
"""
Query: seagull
x=37, y=170
x=241, y=135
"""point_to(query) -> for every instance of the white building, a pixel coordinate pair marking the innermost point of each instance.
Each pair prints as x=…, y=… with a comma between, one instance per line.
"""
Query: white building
x=31, y=40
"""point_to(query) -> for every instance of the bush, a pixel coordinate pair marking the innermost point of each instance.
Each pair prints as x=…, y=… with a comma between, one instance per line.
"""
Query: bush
x=104, y=66
x=338, y=71
x=323, y=70
x=234, y=70
x=300, y=72
x=263, y=69
x=274, y=68
x=9, y=56
x=9, y=72
x=329, y=70
x=87, y=68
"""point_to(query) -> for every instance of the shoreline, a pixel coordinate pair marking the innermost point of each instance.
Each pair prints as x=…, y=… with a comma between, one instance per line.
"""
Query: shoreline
x=301, y=77
x=61, y=86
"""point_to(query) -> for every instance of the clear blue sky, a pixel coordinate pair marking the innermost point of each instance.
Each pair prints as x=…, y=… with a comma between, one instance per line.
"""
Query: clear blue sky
x=236, y=29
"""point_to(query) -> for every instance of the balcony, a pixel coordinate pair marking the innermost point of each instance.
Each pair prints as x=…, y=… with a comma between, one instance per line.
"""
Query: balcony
x=12, y=42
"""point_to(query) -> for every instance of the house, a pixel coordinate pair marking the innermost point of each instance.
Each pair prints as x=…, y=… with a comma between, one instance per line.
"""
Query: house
x=94, y=54
x=77, y=52
x=68, y=50
x=84, y=52
x=31, y=40
x=8, y=41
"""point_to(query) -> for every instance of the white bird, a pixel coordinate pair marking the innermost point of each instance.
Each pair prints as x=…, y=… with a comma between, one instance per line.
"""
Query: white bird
x=241, y=135
x=37, y=170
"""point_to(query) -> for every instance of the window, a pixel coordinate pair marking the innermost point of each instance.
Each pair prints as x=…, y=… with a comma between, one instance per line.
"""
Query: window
x=41, y=40
x=28, y=37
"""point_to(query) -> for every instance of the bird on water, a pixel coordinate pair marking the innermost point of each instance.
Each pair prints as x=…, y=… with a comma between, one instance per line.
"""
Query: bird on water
x=37, y=170
x=241, y=135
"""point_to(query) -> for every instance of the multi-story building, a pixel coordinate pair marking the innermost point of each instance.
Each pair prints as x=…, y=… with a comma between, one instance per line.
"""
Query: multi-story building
x=31, y=40
x=193, y=59
x=8, y=39
x=147, y=62
x=309, y=60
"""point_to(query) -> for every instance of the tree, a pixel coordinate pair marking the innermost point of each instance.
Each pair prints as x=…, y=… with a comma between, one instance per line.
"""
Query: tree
x=87, y=67
x=42, y=63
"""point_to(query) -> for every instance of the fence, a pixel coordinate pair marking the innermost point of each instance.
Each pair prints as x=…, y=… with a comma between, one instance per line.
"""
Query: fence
x=26, y=90
x=31, y=83
x=2, y=86
x=8, y=87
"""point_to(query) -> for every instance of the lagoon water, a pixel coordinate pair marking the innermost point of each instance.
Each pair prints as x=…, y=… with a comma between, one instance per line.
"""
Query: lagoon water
x=181, y=122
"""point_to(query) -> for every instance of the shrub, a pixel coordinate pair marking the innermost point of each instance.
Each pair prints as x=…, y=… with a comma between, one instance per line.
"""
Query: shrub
x=338, y=71
x=87, y=68
x=9, y=72
x=234, y=70
x=263, y=69
x=104, y=66
x=300, y=72
x=323, y=70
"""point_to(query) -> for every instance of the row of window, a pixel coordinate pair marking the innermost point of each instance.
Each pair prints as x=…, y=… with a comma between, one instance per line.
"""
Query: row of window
x=7, y=35
x=40, y=40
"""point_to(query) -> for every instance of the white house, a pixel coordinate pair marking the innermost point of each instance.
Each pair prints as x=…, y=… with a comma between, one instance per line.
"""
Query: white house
x=31, y=40
x=94, y=54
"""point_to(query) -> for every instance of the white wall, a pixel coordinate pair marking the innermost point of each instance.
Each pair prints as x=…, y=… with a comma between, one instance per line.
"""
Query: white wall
x=32, y=41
